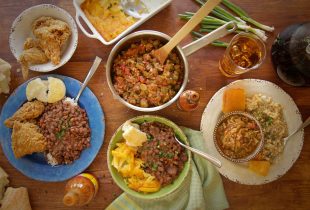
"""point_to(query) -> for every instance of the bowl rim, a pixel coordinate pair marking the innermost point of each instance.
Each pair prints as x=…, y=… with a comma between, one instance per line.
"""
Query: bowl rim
x=259, y=146
x=118, y=47
x=72, y=26
x=150, y=196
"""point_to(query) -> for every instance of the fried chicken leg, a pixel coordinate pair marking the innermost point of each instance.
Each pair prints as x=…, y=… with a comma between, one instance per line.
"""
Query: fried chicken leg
x=28, y=111
x=31, y=56
x=52, y=34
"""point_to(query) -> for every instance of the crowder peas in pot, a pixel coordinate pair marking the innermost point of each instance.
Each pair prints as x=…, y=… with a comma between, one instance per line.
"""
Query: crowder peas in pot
x=141, y=80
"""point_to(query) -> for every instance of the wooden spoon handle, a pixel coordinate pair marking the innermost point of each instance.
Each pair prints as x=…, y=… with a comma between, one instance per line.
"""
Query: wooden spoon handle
x=191, y=24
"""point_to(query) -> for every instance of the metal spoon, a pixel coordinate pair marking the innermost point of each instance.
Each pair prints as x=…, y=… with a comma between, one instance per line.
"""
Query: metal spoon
x=134, y=8
x=210, y=158
x=305, y=124
x=88, y=77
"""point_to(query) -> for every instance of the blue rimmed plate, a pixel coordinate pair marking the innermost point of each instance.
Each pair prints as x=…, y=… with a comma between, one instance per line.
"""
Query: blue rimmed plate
x=35, y=166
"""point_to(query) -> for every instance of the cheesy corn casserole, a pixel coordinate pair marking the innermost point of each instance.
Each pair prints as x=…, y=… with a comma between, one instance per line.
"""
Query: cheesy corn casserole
x=107, y=17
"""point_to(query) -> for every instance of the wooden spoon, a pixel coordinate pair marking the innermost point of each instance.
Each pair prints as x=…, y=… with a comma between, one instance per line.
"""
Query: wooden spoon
x=162, y=53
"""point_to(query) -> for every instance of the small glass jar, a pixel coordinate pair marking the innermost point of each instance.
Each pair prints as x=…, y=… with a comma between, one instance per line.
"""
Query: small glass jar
x=245, y=52
x=80, y=190
x=188, y=100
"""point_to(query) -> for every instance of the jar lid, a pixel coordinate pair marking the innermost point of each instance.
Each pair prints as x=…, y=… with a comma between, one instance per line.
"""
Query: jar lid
x=299, y=47
x=291, y=54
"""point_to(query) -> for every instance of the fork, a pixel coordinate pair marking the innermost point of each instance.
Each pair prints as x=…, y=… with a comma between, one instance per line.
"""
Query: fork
x=305, y=124
x=134, y=8
x=210, y=158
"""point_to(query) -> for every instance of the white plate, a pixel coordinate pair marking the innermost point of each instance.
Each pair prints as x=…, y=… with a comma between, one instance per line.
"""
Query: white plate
x=153, y=6
x=22, y=29
x=240, y=173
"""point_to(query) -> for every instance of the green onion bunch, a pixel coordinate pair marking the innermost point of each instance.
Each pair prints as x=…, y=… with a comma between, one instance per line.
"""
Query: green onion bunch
x=220, y=16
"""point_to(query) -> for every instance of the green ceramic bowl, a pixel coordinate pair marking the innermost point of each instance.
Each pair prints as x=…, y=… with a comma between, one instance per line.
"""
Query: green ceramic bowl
x=118, y=179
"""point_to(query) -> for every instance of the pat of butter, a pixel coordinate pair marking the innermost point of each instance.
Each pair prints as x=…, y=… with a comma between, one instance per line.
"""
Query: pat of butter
x=5, y=76
x=129, y=124
x=134, y=137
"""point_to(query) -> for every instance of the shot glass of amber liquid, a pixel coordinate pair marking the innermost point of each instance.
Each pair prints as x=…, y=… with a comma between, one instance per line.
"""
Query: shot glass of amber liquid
x=245, y=52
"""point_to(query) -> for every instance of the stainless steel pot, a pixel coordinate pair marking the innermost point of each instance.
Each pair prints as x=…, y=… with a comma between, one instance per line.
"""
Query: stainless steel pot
x=182, y=52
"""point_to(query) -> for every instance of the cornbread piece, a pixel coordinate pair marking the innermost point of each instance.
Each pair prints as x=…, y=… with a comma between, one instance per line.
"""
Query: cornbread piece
x=233, y=100
x=259, y=167
x=16, y=199
x=5, y=76
x=3, y=182
x=28, y=111
x=26, y=139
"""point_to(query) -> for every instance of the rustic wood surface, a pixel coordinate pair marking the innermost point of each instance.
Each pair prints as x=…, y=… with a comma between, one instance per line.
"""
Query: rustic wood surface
x=292, y=191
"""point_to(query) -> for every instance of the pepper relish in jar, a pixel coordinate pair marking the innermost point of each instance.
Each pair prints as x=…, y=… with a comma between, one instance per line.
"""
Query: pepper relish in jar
x=188, y=100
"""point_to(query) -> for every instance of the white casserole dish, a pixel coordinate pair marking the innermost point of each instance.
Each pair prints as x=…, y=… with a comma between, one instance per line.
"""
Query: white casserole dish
x=153, y=6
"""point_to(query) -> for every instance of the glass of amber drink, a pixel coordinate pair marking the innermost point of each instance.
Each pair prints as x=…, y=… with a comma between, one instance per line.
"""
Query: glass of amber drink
x=245, y=52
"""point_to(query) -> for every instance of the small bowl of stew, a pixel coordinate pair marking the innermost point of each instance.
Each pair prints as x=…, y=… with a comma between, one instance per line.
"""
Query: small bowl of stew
x=238, y=137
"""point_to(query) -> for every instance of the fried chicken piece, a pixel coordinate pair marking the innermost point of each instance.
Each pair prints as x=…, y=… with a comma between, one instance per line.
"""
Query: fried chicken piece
x=31, y=43
x=31, y=56
x=16, y=198
x=52, y=35
x=28, y=111
x=26, y=139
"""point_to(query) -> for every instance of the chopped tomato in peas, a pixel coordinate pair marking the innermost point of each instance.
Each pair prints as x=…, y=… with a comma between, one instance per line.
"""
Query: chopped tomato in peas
x=141, y=80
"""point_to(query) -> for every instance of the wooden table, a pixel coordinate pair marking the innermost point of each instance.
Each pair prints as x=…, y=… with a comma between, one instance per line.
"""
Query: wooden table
x=292, y=191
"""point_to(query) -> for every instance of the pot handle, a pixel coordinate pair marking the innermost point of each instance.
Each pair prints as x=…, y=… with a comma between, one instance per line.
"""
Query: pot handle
x=210, y=37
